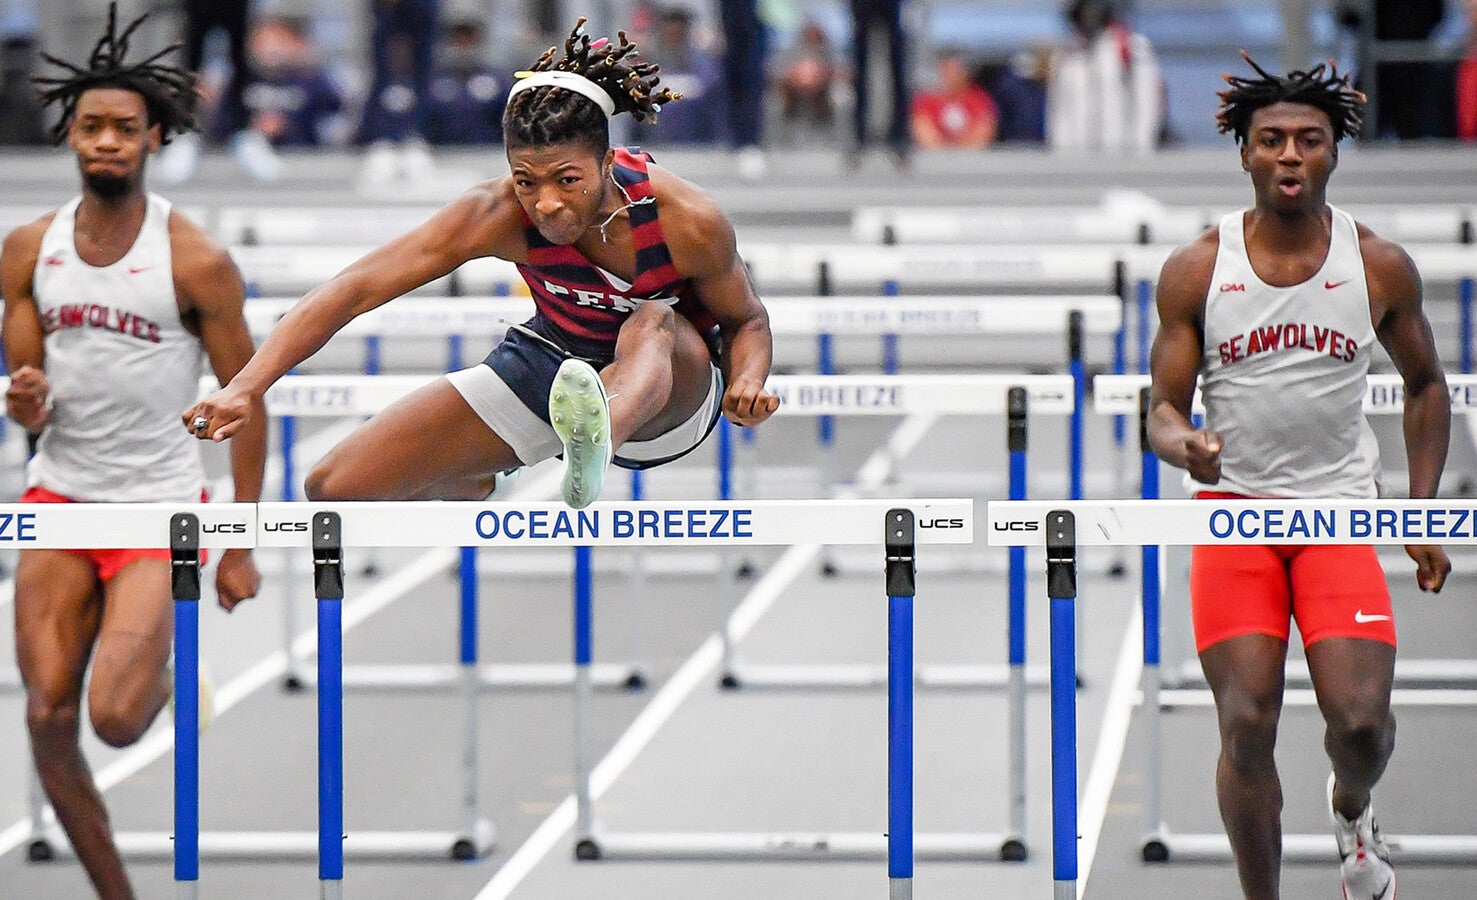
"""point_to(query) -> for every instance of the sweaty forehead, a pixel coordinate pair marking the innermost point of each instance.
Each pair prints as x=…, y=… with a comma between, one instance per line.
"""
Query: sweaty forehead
x=111, y=102
x=554, y=157
x=1289, y=116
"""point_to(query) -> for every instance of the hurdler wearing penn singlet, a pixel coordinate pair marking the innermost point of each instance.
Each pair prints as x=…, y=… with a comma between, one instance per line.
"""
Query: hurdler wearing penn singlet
x=1283, y=381
x=580, y=308
x=121, y=366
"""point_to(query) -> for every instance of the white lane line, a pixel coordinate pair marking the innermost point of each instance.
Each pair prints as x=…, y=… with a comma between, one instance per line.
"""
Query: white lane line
x=1122, y=697
x=692, y=673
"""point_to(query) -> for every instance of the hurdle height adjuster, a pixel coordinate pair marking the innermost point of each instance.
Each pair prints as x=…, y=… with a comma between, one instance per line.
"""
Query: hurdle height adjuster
x=328, y=556
x=899, y=546
x=184, y=556
x=1061, y=555
x=1015, y=419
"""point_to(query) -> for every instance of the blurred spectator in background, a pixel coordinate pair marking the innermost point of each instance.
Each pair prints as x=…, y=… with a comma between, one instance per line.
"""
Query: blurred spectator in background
x=1466, y=81
x=289, y=99
x=1018, y=88
x=403, y=45
x=958, y=112
x=1105, y=92
x=807, y=77
x=743, y=81
x=21, y=121
x=467, y=96
x=702, y=116
x=1409, y=101
x=177, y=162
x=867, y=18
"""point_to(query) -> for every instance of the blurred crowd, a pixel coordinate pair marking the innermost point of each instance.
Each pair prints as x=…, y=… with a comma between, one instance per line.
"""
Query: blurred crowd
x=432, y=77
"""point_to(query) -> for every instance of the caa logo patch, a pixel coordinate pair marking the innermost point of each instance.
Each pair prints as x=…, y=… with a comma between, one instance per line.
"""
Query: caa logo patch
x=1229, y=287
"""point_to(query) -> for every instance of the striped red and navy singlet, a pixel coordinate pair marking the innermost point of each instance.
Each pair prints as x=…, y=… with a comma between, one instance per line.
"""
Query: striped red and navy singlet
x=580, y=306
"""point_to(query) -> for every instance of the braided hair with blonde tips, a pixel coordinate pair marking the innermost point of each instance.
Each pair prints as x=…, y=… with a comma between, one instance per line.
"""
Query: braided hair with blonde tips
x=1322, y=87
x=169, y=93
x=548, y=114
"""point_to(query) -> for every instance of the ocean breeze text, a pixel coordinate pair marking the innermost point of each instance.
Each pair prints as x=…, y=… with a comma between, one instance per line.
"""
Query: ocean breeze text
x=633, y=524
x=1435, y=523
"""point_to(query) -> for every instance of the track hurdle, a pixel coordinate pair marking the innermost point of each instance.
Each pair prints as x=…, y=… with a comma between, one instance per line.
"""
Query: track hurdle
x=506, y=525
x=797, y=524
x=1450, y=681
x=1125, y=223
x=360, y=395
x=1075, y=317
x=1064, y=527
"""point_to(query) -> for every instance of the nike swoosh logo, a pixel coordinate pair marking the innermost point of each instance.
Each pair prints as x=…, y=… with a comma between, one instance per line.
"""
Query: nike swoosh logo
x=1361, y=617
x=1330, y=285
x=134, y=270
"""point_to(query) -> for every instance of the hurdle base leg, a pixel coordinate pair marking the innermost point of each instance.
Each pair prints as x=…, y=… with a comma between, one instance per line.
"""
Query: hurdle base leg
x=493, y=677
x=767, y=846
x=476, y=843
x=1410, y=849
x=297, y=845
x=1175, y=698
x=862, y=676
x=42, y=849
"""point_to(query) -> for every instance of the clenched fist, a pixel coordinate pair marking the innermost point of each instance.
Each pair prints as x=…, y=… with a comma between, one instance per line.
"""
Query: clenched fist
x=25, y=399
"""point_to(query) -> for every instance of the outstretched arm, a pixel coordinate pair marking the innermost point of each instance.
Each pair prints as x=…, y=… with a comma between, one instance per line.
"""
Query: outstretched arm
x=1404, y=331
x=482, y=222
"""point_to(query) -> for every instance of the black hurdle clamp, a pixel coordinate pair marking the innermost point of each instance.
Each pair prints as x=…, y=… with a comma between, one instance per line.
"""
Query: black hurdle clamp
x=898, y=542
x=184, y=556
x=1144, y=410
x=328, y=556
x=1015, y=419
x=1075, y=327
x=1061, y=555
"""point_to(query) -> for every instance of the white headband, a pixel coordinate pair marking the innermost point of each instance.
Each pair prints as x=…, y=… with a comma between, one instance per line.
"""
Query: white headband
x=569, y=81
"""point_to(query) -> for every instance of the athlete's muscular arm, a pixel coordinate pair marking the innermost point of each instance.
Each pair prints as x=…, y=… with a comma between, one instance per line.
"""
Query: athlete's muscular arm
x=25, y=350
x=1404, y=331
x=1174, y=363
x=484, y=221
x=211, y=294
x=704, y=250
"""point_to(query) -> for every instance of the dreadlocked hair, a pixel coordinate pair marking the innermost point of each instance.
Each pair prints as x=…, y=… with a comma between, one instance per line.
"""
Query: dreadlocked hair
x=1322, y=87
x=168, y=92
x=548, y=114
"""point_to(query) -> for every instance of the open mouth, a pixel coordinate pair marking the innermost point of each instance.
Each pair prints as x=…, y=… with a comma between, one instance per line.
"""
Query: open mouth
x=1290, y=186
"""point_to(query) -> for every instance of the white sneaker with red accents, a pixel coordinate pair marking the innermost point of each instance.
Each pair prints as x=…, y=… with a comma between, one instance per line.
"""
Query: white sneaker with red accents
x=1366, y=870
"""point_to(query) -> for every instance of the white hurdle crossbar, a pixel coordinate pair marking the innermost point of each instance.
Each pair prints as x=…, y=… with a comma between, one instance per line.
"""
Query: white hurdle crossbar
x=1062, y=527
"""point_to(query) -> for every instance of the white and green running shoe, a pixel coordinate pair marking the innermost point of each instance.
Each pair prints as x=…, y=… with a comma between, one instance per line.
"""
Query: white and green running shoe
x=580, y=414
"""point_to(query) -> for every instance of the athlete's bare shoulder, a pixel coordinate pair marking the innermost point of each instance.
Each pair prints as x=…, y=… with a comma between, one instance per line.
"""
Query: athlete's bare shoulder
x=1390, y=273
x=1384, y=259
x=1185, y=278
x=486, y=220
x=195, y=252
x=23, y=243
x=698, y=233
